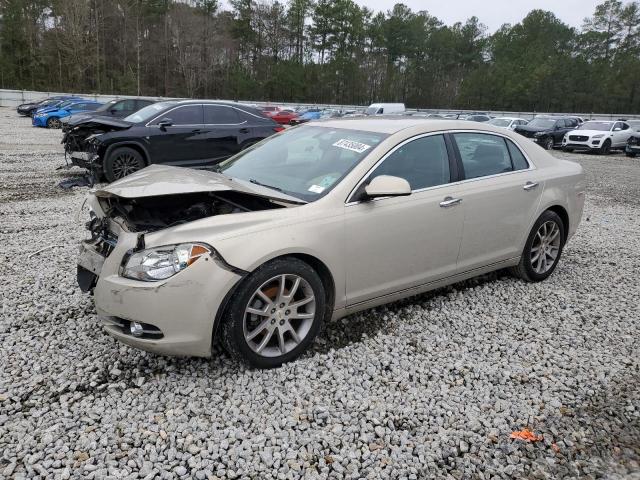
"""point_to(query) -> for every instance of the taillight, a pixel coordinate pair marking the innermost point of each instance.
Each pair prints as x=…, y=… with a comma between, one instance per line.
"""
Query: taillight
x=278, y=128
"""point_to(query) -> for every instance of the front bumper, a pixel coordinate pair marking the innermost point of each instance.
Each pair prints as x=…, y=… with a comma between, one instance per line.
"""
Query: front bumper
x=588, y=145
x=86, y=160
x=632, y=149
x=39, y=121
x=182, y=308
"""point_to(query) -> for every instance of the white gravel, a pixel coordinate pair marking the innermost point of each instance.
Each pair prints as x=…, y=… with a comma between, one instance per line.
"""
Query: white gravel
x=430, y=387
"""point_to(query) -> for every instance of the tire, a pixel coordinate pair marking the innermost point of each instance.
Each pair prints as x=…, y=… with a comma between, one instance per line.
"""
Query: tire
x=630, y=154
x=121, y=162
x=274, y=335
x=606, y=148
x=530, y=266
x=548, y=143
x=54, y=122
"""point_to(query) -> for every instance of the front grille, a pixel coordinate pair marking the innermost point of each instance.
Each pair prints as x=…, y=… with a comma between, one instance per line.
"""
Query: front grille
x=578, y=138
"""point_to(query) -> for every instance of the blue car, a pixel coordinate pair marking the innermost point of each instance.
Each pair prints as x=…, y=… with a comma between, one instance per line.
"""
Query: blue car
x=307, y=116
x=50, y=117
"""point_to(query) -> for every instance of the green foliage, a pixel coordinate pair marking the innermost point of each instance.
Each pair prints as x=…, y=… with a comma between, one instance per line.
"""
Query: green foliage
x=328, y=51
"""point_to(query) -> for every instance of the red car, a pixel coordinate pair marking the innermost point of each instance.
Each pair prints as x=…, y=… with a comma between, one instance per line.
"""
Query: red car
x=284, y=117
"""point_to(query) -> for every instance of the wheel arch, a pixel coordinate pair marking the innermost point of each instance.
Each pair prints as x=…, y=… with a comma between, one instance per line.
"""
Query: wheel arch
x=564, y=216
x=318, y=265
x=131, y=144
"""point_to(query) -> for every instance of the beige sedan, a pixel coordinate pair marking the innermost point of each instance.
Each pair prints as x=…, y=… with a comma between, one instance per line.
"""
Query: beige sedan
x=315, y=223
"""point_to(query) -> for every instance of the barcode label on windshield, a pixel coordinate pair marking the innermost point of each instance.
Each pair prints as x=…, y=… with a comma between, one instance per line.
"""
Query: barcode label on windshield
x=351, y=145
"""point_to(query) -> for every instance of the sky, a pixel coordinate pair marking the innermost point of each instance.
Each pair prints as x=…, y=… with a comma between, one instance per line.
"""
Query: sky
x=493, y=13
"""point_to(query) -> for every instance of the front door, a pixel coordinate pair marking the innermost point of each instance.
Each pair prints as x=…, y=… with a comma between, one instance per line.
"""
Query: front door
x=396, y=243
x=182, y=141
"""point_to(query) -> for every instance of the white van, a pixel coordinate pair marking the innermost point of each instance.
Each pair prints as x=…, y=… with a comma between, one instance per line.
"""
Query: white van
x=384, y=108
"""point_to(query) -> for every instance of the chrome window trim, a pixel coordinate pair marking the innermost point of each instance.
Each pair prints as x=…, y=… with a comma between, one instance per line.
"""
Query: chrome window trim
x=198, y=124
x=532, y=166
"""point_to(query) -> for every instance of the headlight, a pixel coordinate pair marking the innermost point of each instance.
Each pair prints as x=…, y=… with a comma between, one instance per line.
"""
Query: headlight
x=600, y=135
x=538, y=134
x=91, y=137
x=160, y=263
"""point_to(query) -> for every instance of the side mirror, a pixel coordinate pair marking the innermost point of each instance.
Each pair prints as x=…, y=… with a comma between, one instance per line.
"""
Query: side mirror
x=164, y=123
x=387, y=186
x=113, y=111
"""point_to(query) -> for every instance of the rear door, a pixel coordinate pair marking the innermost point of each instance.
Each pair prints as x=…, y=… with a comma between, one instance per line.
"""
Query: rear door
x=500, y=196
x=620, y=136
x=182, y=141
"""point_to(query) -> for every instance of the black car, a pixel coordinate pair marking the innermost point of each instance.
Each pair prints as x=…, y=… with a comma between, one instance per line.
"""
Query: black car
x=190, y=133
x=114, y=108
x=548, y=131
x=633, y=145
x=27, y=109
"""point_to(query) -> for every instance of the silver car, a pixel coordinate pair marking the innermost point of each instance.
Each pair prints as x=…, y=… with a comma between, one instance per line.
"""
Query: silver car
x=316, y=223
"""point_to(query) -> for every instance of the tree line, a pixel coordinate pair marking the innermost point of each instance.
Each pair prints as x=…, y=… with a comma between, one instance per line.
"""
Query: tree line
x=322, y=51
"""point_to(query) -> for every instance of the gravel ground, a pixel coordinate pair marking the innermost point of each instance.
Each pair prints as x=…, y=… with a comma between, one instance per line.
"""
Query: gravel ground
x=430, y=387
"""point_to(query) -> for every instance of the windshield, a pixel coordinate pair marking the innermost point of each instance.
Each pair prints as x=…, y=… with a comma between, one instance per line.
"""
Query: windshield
x=66, y=103
x=500, y=122
x=541, y=123
x=602, y=126
x=371, y=110
x=305, y=162
x=147, y=112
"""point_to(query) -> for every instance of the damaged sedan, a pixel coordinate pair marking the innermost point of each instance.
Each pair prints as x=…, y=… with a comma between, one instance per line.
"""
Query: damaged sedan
x=189, y=133
x=316, y=223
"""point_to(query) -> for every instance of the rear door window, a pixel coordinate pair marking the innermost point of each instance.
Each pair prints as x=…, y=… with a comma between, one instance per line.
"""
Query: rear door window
x=483, y=154
x=220, y=115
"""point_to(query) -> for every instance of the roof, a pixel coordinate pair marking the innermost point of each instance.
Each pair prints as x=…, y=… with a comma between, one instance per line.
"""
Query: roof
x=391, y=125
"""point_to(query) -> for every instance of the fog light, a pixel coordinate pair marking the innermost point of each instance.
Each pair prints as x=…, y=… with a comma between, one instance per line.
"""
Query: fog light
x=136, y=329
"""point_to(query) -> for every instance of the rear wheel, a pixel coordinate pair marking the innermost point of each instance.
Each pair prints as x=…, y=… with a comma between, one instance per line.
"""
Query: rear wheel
x=54, y=122
x=275, y=314
x=606, y=148
x=543, y=248
x=121, y=162
x=548, y=143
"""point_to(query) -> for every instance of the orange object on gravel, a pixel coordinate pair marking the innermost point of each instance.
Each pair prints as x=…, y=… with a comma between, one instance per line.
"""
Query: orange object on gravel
x=526, y=435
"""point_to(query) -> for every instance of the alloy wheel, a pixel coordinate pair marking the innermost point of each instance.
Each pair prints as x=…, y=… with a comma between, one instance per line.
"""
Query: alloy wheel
x=549, y=144
x=54, y=123
x=545, y=247
x=279, y=315
x=125, y=164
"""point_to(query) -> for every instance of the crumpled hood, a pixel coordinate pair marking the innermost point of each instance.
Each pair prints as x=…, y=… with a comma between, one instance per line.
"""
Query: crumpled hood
x=91, y=119
x=527, y=128
x=160, y=180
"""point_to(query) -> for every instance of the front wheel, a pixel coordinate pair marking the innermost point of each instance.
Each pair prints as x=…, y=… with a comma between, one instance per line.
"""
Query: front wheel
x=543, y=248
x=121, y=162
x=275, y=314
x=606, y=148
x=54, y=122
x=548, y=143
x=630, y=154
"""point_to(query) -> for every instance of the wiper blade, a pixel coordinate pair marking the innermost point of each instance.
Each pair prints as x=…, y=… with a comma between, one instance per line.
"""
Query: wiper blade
x=256, y=182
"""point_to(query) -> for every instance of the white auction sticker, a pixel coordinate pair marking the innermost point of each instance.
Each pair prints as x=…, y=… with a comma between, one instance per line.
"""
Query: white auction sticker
x=351, y=145
x=316, y=189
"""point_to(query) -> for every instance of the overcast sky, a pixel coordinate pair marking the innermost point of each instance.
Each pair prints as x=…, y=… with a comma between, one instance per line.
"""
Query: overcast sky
x=493, y=13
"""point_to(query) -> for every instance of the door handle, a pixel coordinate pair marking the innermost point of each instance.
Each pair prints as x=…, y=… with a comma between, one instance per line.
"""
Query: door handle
x=450, y=202
x=530, y=186
x=244, y=130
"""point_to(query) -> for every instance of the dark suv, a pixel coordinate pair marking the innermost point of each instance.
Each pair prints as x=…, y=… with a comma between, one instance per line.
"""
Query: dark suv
x=191, y=133
x=548, y=131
